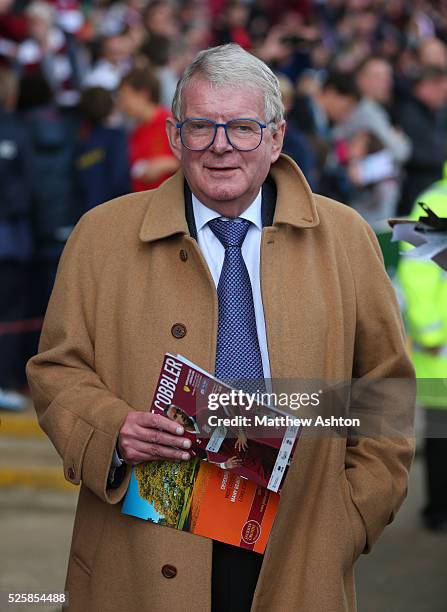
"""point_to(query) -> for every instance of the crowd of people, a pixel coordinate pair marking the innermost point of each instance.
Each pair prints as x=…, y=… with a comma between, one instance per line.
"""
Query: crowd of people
x=85, y=89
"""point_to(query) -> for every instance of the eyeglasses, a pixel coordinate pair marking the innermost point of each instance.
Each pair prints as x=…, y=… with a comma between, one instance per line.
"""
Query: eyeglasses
x=198, y=134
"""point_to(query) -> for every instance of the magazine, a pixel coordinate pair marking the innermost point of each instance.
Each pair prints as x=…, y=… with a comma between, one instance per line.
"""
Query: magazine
x=200, y=498
x=226, y=434
x=229, y=489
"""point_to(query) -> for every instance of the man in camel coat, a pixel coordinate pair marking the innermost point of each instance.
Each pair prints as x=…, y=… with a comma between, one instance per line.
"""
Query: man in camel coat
x=138, y=279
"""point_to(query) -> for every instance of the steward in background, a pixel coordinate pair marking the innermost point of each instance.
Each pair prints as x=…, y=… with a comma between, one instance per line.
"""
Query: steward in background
x=424, y=285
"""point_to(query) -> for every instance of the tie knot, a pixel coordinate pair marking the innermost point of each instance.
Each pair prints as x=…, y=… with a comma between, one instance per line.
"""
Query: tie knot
x=230, y=232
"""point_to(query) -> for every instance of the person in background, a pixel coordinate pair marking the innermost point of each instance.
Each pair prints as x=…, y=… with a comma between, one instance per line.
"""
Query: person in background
x=161, y=30
x=423, y=116
x=333, y=105
x=54, y=209
x=378, y=149
x=159, y=56
x=114, y=61
x=233, y=25
x=17, y=178
x=164, y=47
x=102, y=160
x=432, y=52
x=13, y=26
x=310, y=118
x=306, y=112
x=51, y=131
x=424, y=288
x=374, y=79
x=373, y=176
x=337, y=100
x=295, y=142
x=151, y=158
x=52, y=51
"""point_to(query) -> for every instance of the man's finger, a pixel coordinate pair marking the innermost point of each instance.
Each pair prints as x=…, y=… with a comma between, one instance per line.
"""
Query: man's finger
x=157, y=436
x=167, y=452
x=149, y=420
x=142, y=451
x=158, y=451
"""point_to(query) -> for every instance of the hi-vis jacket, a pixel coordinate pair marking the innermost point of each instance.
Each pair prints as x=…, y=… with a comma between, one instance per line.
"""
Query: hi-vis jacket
x=424, y=286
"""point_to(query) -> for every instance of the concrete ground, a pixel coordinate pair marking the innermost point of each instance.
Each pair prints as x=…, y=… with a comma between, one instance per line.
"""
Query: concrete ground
x=406, y=572
x=35, y=529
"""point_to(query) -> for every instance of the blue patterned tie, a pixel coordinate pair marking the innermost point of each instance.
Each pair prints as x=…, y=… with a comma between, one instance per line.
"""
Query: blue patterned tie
x=238, y=356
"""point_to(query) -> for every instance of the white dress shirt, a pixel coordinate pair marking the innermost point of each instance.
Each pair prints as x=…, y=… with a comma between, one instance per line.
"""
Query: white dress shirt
x=214, y=254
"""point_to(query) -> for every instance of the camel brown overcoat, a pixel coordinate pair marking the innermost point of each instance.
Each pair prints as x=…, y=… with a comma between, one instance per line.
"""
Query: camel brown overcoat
x=130, y=272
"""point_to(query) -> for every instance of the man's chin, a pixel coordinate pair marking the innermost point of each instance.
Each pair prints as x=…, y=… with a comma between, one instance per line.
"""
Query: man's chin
x=224, y=194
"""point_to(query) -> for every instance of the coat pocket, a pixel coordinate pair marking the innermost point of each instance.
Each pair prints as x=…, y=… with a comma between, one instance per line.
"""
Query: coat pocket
x=354, y=517
x=78, y=586
x=82, y=565
x=88, y=530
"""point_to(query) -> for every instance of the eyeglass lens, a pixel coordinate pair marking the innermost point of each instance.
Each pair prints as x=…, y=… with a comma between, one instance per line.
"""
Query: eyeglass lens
x=243, y=134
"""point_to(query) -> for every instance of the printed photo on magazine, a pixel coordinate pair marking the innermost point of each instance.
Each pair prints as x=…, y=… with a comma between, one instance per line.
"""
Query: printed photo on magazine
x=202, y=499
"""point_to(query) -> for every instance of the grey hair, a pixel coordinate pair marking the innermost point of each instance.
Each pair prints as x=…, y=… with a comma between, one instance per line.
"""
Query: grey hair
x=230, y=65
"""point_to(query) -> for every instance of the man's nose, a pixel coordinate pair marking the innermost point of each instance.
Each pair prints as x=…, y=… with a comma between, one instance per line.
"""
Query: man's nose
x=221, y=144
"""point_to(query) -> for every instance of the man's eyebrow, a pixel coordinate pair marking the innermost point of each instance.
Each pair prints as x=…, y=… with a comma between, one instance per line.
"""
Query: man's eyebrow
x=238, y=116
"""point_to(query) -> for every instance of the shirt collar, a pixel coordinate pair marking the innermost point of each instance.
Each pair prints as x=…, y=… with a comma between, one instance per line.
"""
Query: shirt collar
x=203, y=214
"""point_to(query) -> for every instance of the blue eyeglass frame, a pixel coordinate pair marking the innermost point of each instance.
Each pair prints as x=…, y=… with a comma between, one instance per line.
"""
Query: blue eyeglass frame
x=179, y=126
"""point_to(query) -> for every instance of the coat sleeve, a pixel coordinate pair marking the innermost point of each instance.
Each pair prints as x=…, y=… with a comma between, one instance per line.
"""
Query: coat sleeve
x=76, y=410
x=379, y=455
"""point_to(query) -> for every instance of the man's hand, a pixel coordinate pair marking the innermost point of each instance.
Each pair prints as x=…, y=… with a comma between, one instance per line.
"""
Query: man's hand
x=145, y=436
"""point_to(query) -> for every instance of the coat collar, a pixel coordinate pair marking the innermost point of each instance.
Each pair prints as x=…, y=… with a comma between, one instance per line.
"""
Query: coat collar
x=295, y=204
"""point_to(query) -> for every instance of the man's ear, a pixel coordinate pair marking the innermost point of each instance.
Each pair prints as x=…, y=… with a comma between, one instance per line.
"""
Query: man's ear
x=174, y=138
x=277, y=140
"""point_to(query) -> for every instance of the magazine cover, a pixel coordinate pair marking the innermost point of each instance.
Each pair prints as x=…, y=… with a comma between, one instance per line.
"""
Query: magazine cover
x=200, y=498
x=227, y=435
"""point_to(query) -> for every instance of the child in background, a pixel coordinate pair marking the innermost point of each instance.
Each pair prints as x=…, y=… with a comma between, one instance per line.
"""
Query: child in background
x=102, y=157
x=151, y=158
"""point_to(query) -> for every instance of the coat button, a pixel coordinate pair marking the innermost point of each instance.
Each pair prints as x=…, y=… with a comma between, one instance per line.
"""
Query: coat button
x=71, y=473
x=183, y=255
x=169, y=571
x=178, y=330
